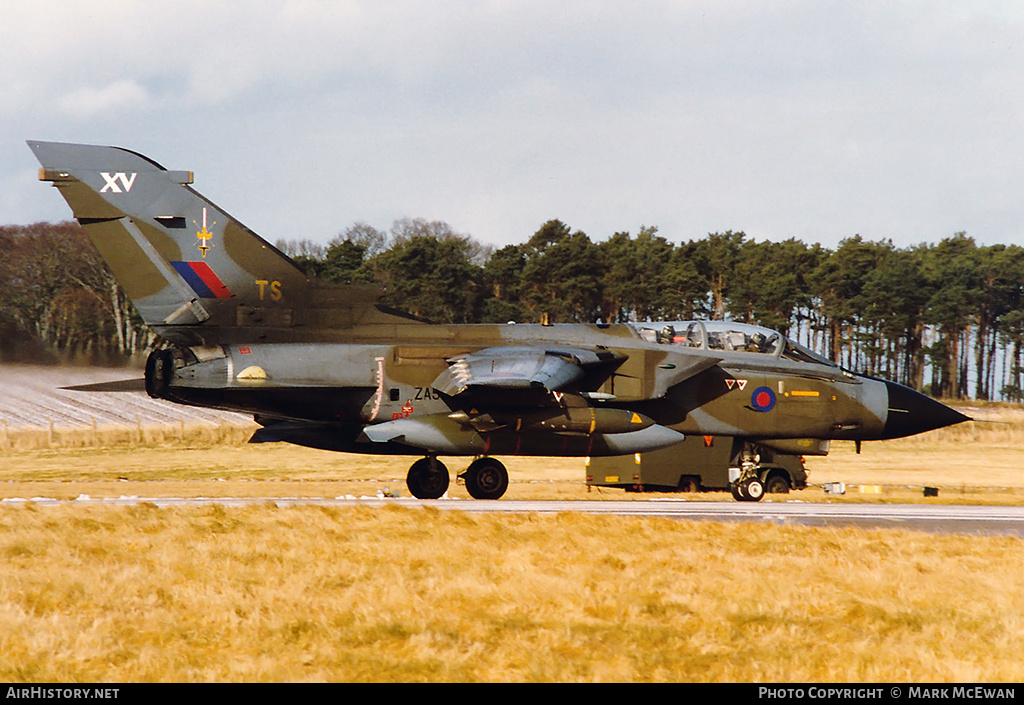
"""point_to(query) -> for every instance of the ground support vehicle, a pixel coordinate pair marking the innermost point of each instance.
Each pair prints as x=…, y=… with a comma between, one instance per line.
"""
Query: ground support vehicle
x=705, y=464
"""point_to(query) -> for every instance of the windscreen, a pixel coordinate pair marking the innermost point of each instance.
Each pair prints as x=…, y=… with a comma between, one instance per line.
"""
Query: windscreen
x=727, y=336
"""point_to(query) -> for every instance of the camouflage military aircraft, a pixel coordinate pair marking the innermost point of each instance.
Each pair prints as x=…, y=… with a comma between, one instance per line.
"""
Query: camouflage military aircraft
x=328, y=366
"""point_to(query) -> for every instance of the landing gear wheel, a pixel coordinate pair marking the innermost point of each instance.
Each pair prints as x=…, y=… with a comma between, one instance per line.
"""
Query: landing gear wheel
x=427, y=479
x=737, y=492
x=486, y=478
x=753, y=489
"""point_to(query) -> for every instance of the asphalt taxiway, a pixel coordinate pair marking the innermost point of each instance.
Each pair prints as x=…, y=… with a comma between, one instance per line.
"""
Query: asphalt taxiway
x=938, y=518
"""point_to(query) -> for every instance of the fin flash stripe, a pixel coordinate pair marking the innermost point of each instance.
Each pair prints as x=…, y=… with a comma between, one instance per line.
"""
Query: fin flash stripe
x=203, y=280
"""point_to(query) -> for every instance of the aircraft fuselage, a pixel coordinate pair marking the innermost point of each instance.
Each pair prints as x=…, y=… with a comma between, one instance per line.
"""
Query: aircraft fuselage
x=344, y=387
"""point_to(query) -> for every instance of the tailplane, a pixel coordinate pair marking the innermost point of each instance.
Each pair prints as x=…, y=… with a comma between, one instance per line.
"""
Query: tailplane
x=195, y=274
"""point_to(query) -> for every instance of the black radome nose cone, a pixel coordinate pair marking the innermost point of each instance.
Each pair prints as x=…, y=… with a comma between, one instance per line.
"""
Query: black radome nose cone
x=911, y=412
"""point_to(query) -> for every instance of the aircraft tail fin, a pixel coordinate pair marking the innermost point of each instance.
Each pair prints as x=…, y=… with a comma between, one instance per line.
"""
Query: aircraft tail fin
x=195, y=274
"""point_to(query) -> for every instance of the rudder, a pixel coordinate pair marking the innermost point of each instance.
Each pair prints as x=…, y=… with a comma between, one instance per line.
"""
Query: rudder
x=195, y=274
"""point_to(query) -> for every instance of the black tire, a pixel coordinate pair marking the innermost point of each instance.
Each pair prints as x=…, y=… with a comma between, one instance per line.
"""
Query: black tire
x=777, y=483
x=689, y=484
x=427, y=479
x=737, y=492
x=486, y=478
x=753, y=489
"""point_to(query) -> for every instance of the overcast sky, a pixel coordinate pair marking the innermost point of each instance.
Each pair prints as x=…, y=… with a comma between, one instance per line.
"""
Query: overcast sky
x=785, y=118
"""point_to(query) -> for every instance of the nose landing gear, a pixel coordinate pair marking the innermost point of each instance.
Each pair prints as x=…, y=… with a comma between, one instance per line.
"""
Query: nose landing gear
x=748, y=486
x=748, y=490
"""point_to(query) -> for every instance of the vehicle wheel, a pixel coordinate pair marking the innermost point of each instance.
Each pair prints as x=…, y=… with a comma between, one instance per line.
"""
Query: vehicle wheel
x=688, y=484
x=427, y=479
x=753, y=488
x=486, y=478
x=777, y=484
x=737, y=492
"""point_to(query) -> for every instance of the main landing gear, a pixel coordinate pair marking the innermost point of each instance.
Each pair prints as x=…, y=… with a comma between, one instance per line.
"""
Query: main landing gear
x=427, y=478
x=486, y=478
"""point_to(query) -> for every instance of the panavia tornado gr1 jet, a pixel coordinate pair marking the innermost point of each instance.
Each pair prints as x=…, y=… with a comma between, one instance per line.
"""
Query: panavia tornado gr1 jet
x=327, y=366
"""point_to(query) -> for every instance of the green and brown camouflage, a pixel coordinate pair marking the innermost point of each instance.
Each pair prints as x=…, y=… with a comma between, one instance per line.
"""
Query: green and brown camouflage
x=328, y=366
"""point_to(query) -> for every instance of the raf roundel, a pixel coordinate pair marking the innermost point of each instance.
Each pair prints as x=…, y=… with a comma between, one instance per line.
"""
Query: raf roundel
x=762, y=399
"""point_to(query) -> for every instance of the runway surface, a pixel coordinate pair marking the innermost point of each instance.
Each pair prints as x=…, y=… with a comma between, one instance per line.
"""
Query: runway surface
x=939, y=518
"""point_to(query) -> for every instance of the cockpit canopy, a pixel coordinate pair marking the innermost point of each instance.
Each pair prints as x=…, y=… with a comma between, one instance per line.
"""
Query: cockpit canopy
x=727, y=336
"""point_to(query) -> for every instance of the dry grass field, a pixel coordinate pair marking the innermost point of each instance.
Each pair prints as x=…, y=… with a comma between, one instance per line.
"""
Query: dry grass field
x=407, y=594
x=400, y=593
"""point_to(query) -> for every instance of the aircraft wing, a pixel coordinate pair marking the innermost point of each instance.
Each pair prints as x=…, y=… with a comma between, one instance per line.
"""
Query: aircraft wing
x=545, y=391
x=521, y=375
x=533, y=376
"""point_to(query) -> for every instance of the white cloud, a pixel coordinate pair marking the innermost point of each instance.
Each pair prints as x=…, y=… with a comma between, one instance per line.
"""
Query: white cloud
x=113, y=99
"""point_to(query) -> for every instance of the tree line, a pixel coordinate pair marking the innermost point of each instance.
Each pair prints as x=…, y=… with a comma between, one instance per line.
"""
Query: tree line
x=60, y=302
x=944, y=318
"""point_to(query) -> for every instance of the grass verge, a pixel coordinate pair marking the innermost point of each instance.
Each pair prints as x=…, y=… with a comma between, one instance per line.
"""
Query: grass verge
x=411, y=594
